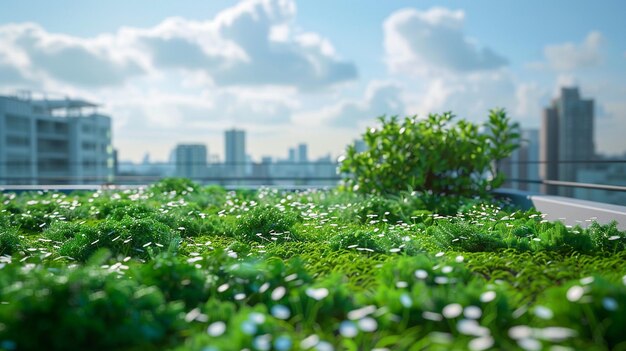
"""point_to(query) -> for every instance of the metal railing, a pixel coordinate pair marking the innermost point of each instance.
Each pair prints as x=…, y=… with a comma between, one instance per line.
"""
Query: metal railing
x=311, y=173
x=259, y=173
x=607, y=187
x=602, y=180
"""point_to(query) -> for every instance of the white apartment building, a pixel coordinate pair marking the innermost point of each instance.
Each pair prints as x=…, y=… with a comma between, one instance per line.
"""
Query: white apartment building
x=54, y=141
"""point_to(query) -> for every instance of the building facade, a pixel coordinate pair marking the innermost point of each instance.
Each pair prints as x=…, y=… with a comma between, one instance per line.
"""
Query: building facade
x=523, y=164
x=191, y=160
x=567, y=139
x=64, y=141
x=235, y=152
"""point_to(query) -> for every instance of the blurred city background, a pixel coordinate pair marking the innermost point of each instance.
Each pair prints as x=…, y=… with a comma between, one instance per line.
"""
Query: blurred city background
x=271, y=92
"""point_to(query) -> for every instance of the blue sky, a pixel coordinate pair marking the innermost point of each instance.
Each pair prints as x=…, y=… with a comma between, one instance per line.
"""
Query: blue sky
x=312, y=71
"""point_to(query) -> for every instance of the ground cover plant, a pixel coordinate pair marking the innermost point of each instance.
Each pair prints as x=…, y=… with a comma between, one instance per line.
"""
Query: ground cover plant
x=184, y=267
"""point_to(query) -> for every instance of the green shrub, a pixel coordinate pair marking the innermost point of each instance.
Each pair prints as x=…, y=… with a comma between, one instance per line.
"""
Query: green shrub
x=178, y=185
x=465, y=237
x=594, y=307
x=10, y=241
x=122, y=208
x=377, y=208
x=431, y=155
x=386, y=241
x=128, y=237
x=85, y=309
x=559, y=238
x=266, y=224
x=62, y=231
x=356, y=239
x=607, y=238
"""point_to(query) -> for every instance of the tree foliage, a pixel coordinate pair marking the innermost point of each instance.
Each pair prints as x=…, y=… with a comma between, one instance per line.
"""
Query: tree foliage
x=435, y=155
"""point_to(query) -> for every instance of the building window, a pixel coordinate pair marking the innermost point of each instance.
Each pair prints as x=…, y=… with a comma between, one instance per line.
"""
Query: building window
x=18, y=141
x=18, y=124
x=88, y=146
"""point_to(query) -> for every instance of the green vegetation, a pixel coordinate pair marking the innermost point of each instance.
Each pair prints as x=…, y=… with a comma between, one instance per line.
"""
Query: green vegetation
x=432, y=156
x=184, y=267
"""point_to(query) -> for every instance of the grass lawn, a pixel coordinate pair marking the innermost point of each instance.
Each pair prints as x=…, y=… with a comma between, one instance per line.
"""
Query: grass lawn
x=178, y=266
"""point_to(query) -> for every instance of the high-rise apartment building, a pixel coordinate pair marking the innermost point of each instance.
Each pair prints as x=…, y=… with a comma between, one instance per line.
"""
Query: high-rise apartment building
x=235, y=149
x=191, y=160
x=523, y=162
x=59, y=141
x=566, y=137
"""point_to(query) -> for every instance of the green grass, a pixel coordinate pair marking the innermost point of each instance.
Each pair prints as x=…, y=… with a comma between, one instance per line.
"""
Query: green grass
x=178, y=266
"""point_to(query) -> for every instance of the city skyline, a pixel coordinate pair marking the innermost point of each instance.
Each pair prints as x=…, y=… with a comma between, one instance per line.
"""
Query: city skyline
x=296, y=72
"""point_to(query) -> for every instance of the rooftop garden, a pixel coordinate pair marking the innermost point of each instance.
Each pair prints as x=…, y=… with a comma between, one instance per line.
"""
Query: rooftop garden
x=410, y=253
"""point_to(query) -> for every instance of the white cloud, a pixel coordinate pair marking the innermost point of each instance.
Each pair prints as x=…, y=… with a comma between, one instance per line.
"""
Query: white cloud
x=530, y=100
x=380, y=98
x=571, y=56
x=10, y=74
x=252, y=43
x=211, y=109
x=433, y=41
x=39, y=55
x=468, y=96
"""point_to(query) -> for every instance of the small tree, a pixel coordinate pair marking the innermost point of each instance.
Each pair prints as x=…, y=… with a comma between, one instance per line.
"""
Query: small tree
x=431, y=155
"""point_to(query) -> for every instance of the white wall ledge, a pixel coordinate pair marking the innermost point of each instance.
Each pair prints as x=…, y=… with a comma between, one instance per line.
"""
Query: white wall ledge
x=568, y=210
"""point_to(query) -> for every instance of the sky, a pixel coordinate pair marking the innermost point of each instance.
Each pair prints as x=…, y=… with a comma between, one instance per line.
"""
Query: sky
x=315, y=72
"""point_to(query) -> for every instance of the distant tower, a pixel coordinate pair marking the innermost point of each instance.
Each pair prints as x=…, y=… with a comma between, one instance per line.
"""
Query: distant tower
x=292, y=155
x=303, y=153
x=566, y=135
x=360, y=146
x=191, y=160
x=522, y=164
x=235, y=147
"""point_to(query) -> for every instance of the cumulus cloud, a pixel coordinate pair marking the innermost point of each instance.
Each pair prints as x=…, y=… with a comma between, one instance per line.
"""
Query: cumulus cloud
x=380, y=98
x=33, y=52
x=10, y=74
x=420, y=42
x=195, y=113
x=275, y=52
x=570, y=56
x=178, y=53
x=469, y=96
x=531, y=98
x=252, y=43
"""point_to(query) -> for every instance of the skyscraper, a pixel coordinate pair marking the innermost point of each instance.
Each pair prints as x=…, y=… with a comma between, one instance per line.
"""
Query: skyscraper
x=303, y=153
x=522, y=164
x=191, y=160
x=566, y=135
x=292, y=155
x=235, y=149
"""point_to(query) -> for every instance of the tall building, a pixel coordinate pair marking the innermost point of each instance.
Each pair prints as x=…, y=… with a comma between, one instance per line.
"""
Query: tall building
x=360, y=146
x=54, y=141
x=235, y=149
x=191, y=160
x=566, y=135
x=303, y=156
x=292, y=155
x=523, y=162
